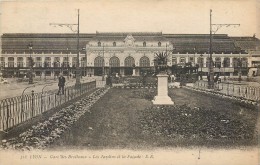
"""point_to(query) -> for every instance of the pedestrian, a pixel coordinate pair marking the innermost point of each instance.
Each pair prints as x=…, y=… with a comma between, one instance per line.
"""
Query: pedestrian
x=61, y=84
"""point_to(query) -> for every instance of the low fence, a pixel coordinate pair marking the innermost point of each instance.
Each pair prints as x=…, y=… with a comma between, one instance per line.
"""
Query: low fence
x=16, y=110
x=245, y=91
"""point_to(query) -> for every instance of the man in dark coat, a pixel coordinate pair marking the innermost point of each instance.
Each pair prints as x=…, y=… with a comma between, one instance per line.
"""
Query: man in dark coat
x=61, y=84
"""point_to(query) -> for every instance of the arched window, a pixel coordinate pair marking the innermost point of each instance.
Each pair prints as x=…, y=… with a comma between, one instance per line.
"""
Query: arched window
x=98, y=62
x=226, y=62
x=144, y=61
x=144, y=44
x=129, y=61
x=159, y=44
x=114, y=43
x=99, y=44
x=114, y=62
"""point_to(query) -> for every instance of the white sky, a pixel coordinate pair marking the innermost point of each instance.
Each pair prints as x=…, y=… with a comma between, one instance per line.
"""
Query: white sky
x=168, y=16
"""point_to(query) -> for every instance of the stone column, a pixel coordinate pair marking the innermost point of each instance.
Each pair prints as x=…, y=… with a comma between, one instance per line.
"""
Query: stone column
x=162, y=97
x=133, y=72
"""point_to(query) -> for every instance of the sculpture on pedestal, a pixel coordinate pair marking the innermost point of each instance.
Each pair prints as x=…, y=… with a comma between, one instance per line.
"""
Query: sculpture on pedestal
x=162, y=97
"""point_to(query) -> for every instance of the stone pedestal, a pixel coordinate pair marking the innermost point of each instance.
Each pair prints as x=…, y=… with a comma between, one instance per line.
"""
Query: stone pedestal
x=134, y=72
x=162, y=97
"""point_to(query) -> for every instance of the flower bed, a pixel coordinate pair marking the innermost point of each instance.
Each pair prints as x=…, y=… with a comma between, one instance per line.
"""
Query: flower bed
x=42, y=134
x=241, y=100
x=196, y=124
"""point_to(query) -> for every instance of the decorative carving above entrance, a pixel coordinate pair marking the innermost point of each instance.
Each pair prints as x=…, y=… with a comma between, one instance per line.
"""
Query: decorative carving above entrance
x=129, y=41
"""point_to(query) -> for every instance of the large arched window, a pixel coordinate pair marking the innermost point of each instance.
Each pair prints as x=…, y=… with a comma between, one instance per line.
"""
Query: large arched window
x=226, y=62
x=144, y=44
x=129, y=61
x=114, y=62
x=20, y=62
x=144, y=61
x=98, y=62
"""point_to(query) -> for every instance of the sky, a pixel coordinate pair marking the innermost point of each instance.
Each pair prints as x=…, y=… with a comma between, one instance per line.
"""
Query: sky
x=167, y=16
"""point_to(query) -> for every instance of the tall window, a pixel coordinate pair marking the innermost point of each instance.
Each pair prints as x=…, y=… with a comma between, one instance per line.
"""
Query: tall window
x=174, y=60
x=200, y=61
x=83, y=61
x=2, y=59
x=182, y=60
x=207, y=62
x=74, y=62
x=226, y=62
x=47, y=61
x=10, y=62
x=217, y=62
x=144, y=44
x=144, y=61
x=114, y=43
x=38, y=62
x=20, y=62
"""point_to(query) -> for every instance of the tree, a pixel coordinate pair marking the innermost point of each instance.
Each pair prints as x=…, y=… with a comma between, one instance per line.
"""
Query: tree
x=160, y=62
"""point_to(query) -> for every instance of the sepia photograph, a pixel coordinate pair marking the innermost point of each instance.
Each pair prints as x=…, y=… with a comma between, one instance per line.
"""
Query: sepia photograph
x=129, y=82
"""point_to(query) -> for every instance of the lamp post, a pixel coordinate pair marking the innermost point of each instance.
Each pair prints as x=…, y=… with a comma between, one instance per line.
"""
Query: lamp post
x=211, y=69
x=30, y=46
x=239, y=71
x=77, y=84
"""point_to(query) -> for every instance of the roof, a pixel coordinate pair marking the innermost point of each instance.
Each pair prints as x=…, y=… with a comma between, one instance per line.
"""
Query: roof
x=183, y=43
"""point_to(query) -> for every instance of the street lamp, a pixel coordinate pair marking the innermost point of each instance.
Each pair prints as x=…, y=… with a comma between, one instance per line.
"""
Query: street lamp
x=67, y=63
x=239, y=72
x=30, y=46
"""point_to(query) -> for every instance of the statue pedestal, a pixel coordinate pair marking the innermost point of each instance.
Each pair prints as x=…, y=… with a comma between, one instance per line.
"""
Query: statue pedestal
x=162, y=97
x=134, y=72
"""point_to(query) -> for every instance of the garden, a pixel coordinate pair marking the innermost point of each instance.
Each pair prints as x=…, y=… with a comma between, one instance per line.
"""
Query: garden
x=126, y=118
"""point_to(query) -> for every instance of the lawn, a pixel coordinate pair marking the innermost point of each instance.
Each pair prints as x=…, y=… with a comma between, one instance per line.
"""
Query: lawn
x=126, y=118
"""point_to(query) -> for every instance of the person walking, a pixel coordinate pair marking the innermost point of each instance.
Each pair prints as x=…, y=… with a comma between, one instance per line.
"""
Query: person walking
x=61, y=84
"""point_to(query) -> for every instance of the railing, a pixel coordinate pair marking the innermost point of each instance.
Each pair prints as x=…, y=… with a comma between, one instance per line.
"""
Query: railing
x=245, y=91
x=16, y=110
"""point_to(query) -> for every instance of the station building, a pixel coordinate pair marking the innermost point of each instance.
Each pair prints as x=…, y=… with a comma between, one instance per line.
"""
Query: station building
x=120, y=52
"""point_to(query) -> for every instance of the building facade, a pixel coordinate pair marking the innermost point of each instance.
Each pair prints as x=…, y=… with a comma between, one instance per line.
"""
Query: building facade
x=123, y=52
